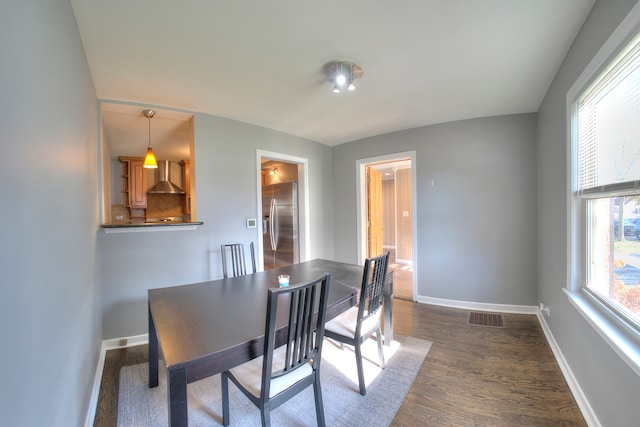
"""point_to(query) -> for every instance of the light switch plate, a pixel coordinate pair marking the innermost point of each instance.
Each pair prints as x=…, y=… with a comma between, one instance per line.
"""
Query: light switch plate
x=251, y=223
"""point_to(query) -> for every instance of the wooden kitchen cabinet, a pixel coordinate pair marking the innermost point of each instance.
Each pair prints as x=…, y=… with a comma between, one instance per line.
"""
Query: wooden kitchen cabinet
x=134, y=185
x=186, y=185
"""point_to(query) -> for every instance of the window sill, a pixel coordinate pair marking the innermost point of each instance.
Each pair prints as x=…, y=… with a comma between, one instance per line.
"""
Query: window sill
x=622, y=338
x=143, y=227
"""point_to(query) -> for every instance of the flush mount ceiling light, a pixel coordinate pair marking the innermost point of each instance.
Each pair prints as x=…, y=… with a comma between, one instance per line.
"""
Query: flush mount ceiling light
x=343, y=75
x=150, y=158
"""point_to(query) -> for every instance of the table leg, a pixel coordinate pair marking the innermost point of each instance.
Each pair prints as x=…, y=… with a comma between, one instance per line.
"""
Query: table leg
x=153, y=353
x=387, y=326
x=177, y=397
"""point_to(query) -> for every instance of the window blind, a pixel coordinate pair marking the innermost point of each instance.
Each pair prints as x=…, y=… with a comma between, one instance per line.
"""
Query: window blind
x=609, y=128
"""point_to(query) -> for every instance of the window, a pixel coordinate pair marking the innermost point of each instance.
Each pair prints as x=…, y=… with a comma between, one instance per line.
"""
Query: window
x=607, y=183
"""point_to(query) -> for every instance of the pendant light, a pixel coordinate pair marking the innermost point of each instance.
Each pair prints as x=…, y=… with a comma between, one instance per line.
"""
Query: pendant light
x=150, y=159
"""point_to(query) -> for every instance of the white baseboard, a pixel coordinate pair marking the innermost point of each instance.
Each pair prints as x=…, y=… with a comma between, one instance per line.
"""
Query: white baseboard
x=466, y=305
x=97, y=378
x=585, y=407
x=125, y=342
x=95, y=391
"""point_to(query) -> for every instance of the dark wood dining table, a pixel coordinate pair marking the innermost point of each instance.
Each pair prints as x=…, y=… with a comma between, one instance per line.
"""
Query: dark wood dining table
x=206, y=328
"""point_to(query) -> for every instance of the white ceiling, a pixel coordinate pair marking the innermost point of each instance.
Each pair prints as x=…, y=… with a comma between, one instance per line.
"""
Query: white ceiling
x=262, y=62
x=128, y=131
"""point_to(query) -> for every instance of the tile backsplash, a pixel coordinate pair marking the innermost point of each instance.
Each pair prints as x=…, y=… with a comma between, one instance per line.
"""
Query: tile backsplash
x=165, y=205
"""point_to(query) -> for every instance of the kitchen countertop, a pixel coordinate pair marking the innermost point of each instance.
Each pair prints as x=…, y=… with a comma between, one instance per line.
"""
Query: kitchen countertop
x=149, y=226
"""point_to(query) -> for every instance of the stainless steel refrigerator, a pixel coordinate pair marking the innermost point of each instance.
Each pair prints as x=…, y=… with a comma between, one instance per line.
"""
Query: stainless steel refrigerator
x=280, y=224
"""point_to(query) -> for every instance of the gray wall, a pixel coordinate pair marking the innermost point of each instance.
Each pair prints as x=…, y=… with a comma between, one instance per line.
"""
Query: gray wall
x=226, y=188
x=476, y=231
x=476, y=226
x=50, y=317
x=609, y=384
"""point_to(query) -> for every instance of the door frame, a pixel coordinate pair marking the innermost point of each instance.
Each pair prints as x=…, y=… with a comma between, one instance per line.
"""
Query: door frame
x=361, y=207
x=303, y=202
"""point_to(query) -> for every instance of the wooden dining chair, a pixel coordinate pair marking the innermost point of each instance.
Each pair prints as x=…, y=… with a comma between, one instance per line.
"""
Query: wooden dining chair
x=238, y=259
x=285, y=370
x=358, y=323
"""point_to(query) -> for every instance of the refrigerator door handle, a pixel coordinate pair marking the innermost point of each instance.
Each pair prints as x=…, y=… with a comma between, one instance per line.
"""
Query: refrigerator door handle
x=273, y=225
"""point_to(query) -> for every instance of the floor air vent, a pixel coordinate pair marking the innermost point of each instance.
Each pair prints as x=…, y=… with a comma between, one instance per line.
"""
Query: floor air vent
x=493, y=320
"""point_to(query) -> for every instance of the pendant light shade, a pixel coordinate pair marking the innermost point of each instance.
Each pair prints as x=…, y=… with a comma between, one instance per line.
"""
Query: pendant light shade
x=150, y=159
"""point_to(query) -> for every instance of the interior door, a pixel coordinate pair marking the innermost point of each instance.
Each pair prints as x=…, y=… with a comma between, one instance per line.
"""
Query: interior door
x=374, y=212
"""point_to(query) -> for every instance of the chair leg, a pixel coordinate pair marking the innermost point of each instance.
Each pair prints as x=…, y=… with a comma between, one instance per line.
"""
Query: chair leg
x=380, y=352
x=363, y=388
x=317, y=391
x=225, y=398
x=265, y=416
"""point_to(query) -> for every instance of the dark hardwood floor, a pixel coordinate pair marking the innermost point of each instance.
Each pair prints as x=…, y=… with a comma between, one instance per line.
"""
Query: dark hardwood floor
x=473, y=375
x=482, y=376
x=107, y=407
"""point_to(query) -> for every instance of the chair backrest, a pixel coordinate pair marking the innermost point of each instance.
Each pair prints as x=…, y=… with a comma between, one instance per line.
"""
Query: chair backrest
x=237, y=261
x=372, y=290
x=305, y=331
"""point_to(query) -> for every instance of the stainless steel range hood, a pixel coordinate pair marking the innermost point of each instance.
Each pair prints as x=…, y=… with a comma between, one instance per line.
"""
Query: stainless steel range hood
x=164, y=185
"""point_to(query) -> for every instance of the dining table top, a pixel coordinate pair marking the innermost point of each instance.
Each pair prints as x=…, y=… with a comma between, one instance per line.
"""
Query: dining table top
x=224, y=319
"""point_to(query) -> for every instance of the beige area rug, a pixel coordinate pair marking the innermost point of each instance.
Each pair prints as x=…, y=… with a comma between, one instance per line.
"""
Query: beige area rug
x=138, y=405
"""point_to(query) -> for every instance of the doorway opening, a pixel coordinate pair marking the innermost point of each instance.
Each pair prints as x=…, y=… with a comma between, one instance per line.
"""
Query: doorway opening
x=282, y=203
x=386, y=219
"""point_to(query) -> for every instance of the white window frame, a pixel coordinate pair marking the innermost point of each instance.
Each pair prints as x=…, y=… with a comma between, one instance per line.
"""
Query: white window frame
x=620, y=334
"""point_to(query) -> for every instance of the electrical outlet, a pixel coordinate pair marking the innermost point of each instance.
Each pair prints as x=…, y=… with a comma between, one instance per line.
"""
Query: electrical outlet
x=544, y=308
x=123, y=342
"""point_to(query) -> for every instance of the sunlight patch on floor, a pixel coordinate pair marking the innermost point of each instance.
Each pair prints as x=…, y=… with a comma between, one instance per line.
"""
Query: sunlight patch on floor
x=400, y=267
x=345, y=360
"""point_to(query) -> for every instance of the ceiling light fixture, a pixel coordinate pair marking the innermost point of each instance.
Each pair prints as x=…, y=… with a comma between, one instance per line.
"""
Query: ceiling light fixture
x=343, y=75
x=150, y=159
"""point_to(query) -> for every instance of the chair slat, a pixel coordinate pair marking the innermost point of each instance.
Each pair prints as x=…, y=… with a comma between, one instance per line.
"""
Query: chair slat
x=238, y=264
